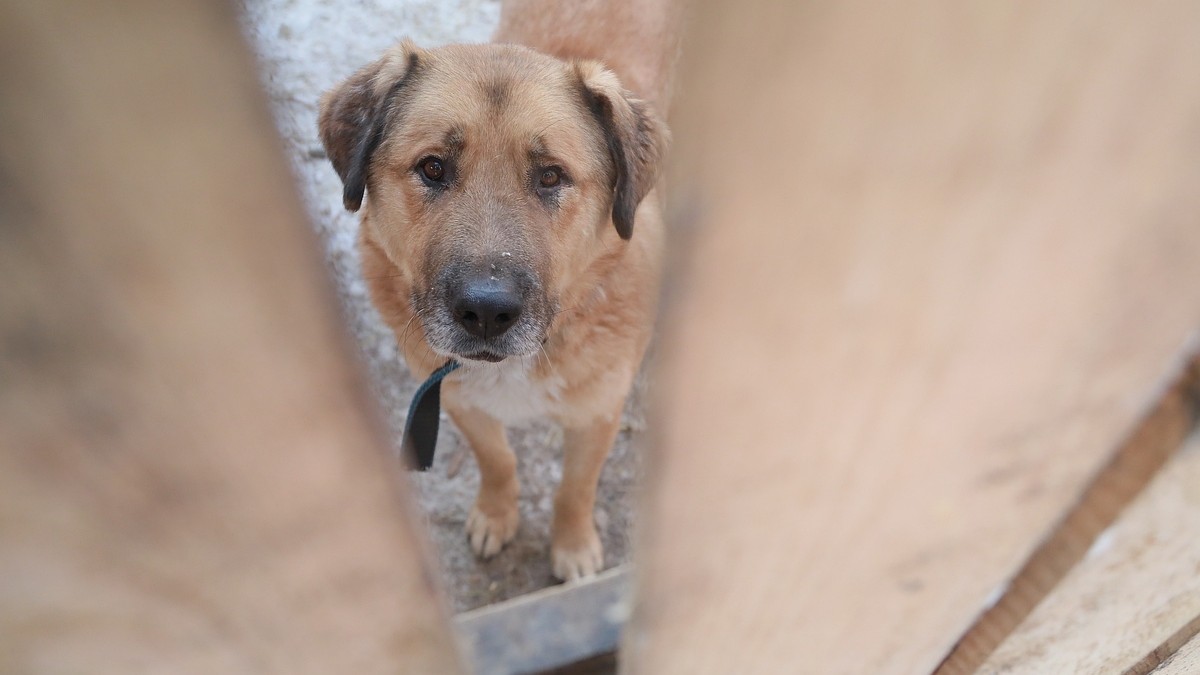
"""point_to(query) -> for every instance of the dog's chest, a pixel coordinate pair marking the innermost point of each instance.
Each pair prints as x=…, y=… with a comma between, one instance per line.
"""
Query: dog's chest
x=511, y=391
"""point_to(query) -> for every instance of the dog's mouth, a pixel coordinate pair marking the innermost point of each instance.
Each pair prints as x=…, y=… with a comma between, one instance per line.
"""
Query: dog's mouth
x=490, y=357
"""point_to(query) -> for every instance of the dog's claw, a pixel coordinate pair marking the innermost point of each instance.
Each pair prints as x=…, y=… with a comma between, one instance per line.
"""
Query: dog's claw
x=489, y=534
x=577, y=557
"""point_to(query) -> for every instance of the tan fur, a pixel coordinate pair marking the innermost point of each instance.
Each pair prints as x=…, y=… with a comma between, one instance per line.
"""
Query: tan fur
x=637, y=39
x=496, y=104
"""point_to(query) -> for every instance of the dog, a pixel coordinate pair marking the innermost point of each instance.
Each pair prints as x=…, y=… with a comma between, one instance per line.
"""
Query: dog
x=509, y=221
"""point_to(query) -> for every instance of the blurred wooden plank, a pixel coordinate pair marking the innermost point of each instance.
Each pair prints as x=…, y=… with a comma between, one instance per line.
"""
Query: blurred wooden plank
x=1135, y=590
x=191, y=478
x=945, y=263
x=552, y=628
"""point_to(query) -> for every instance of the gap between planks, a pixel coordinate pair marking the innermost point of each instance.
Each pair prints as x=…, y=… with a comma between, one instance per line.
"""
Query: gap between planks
x=1160, y=433
x=1184, y=661
x=1163, y=653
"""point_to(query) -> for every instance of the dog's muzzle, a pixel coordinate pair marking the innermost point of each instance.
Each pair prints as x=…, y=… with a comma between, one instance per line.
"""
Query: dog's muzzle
x=488, y=312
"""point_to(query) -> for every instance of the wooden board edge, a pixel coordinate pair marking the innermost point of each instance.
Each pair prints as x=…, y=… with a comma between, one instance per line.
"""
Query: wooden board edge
x=549, y=629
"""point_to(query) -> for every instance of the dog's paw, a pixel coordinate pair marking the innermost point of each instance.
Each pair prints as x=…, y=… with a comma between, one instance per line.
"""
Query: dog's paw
x=489, y=532
x=576, y=553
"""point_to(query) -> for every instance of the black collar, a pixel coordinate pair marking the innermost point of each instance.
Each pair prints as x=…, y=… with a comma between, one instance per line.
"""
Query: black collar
x=424, y=414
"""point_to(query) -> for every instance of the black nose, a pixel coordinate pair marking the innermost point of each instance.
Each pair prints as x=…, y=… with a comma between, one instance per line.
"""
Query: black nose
x=487, y=307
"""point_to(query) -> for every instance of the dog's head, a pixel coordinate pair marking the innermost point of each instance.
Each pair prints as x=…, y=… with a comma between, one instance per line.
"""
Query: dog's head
x=493, y=176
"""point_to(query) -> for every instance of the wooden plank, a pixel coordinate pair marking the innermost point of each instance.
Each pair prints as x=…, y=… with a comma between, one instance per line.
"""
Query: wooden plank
x=1132, y=468
x=1167, y=649
x=1186, y=661
x=191, y=475
x=945, y=261
x=552, y=628
x=1132, y=594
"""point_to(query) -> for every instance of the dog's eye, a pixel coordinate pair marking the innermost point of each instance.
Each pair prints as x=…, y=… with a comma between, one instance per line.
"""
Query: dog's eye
x=550, y=177
x=433, y=169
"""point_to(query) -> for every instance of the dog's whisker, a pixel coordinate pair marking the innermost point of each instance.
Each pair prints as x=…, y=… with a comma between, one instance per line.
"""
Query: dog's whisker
x=542, y=352
x=404, y=333
x=552, y=123
x=418, y=313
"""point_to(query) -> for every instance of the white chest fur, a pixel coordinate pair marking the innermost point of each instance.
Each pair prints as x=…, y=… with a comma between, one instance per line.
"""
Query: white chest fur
x=509, y=390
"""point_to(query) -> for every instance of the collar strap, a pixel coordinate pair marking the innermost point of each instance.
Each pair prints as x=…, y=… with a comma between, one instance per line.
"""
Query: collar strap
x=424, y=414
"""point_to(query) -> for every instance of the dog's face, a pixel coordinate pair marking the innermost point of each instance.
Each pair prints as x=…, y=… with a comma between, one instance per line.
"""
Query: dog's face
x=494, y=175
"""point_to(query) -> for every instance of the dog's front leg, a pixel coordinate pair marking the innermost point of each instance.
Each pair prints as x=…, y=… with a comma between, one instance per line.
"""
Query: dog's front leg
x=493, y=520
x=575, y=549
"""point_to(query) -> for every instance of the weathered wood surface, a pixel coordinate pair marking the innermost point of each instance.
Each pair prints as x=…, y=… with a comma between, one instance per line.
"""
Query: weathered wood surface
x=946, y=260
x=1156, y=440
x=1123, y=607
x=552, y=628
x=1186, y=661
x=191, y=478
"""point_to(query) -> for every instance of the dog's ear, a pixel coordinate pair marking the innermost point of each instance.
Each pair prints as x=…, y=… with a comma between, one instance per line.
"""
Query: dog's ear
x=636, y=140
x=353, y=117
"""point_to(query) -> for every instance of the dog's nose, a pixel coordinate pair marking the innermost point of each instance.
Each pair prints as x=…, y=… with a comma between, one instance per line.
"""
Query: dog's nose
x=488, y=307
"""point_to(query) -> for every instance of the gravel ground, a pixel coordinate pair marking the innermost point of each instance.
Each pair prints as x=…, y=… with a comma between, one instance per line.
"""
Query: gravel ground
x=304, y=48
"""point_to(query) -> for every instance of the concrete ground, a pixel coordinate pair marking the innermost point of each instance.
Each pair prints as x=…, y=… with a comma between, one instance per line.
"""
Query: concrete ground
x=304, y=48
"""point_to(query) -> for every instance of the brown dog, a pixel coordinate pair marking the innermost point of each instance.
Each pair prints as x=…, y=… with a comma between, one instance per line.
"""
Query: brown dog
x=509, y=222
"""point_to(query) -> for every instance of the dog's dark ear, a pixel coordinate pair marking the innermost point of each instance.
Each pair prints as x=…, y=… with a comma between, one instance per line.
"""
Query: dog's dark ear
x=636, y=139
x=354, y=115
